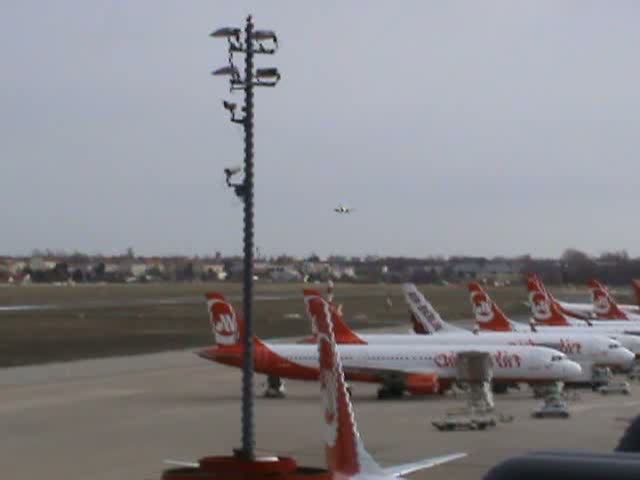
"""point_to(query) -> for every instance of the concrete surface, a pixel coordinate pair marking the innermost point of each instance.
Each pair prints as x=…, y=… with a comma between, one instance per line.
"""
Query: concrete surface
x=118, y=418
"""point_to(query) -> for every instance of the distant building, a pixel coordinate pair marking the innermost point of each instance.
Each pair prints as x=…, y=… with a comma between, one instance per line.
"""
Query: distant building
x=285, y=273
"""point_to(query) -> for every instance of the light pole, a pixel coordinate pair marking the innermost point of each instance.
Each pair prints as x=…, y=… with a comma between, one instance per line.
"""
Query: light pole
x=250, y=43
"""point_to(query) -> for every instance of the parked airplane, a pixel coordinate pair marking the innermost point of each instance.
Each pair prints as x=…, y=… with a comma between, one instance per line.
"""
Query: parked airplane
x=602, y=305
x=417, y=369
x=636, y=289
x=345, y=454
x=540, y=302
x=588, y=350
x=489, y=316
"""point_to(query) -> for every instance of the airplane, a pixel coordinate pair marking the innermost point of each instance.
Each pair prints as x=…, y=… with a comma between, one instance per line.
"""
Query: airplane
x=636, y=289
x=602, y=305
x=587, y=350
x=417, y=369
x=342, y=209
x=345, y=454
x=547, y=317
x=540, y=301
x=566, y=308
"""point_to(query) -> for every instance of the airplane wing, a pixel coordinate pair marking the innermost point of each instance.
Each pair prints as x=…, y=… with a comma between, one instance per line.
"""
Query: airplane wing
x=182, y=463
x=407, y=468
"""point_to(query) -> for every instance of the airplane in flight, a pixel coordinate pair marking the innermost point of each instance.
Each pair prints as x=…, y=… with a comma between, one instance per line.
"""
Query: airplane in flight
x=342, y=209
x=587, y=350
x=345, y=454
x=547, y=318
x=416, y=369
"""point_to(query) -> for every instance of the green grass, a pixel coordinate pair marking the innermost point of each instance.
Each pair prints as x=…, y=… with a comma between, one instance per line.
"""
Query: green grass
x=105, y=320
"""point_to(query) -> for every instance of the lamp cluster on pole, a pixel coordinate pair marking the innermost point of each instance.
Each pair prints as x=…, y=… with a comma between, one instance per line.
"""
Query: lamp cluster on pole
x=248, y=43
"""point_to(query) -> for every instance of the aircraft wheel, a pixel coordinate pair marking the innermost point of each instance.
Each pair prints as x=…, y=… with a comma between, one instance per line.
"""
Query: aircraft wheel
x=383, y=393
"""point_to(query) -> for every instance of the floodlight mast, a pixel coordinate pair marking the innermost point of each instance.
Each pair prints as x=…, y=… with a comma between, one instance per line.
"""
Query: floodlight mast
x=252, y=43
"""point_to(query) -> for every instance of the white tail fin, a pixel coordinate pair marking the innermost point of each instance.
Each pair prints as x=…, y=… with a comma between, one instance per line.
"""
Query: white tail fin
x=423, y=312
x=223, y=321
x=345, y=452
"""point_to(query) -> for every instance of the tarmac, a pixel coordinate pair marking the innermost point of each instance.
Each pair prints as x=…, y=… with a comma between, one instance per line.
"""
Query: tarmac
x=119, y=418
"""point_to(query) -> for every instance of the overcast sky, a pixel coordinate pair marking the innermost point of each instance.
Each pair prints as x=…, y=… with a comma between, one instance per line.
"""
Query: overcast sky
x=479, y=128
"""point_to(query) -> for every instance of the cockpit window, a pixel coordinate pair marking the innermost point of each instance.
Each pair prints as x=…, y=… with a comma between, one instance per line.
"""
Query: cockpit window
x=557, y=358
x=614, y=345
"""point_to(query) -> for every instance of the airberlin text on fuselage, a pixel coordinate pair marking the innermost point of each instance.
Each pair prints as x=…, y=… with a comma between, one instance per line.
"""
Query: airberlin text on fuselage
x=500, y=360
x=565, y=346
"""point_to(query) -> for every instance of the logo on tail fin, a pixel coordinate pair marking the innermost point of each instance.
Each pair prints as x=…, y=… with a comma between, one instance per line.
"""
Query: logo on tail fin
x=222, y=318
x=601, y=303
x=540, y=306
x=482, y=307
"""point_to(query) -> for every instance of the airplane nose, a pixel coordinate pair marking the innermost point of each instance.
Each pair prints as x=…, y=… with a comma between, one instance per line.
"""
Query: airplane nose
x=572, y=371
x=626, y=357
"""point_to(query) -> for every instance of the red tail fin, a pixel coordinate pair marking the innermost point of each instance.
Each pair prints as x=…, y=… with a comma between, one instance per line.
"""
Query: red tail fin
x=344, y=452
x=487, y=314
x=544, y=309
x=225, y=325
x=636, y=288
x=603, y=303
x=343, y=333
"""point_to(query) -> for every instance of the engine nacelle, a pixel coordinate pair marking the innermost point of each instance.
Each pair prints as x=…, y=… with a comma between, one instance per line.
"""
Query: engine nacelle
x=417, y=384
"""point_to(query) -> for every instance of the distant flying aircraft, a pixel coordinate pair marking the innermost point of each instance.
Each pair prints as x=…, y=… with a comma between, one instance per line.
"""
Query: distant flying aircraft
x=342, y=209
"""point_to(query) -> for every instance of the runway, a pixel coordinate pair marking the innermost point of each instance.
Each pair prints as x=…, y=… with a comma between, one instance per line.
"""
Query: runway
x=118, y=418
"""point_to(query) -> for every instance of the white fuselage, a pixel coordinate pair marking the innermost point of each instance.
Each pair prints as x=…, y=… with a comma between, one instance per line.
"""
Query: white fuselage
x=509, y=362
x=587, y=350
x=628, y=337
x=633, y=311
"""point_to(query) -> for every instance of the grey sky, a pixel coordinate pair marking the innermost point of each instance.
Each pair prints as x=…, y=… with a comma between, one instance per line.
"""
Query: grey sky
x=452, y=127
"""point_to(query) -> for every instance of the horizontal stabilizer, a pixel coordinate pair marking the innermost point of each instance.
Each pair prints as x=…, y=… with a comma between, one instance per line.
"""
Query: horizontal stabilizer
x=407, y=468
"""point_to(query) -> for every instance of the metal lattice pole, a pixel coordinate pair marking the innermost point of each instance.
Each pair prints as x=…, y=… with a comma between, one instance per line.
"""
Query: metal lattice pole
x=254, y=42
x=248, y=434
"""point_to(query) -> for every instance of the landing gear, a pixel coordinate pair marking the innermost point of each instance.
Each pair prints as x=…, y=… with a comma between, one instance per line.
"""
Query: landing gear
x=390, y=391
x=275, y=388
x=499, y=388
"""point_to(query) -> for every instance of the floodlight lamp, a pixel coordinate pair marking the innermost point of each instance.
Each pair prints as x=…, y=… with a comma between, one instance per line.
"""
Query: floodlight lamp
x=229, y=106
x=226, y=32
x=265, y=35
x=267, y=73
x=229, y=70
